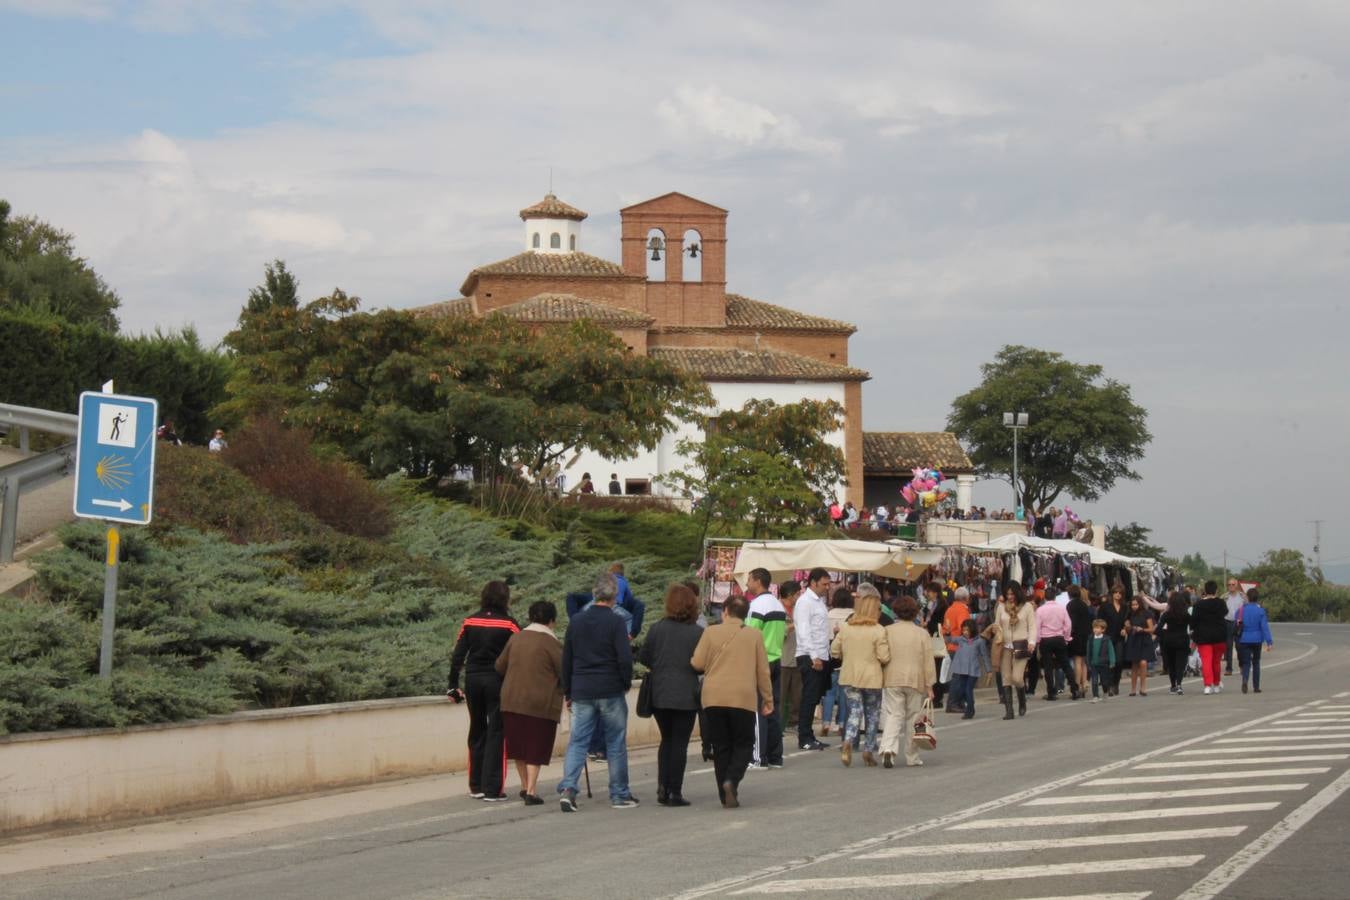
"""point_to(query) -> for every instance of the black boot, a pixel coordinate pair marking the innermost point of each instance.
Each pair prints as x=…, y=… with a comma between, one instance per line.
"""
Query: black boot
x=1021, y=702
x=1007, y=704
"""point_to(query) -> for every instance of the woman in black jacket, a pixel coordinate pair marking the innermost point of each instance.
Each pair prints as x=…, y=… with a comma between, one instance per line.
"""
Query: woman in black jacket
x=666, y=653
x=482, y=638
x=1116, y=612
x=1209, y=630
x=1080, y=620
x=1175, y=626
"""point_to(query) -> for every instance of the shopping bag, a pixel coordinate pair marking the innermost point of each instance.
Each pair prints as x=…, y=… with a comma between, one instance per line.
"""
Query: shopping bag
x=945, y=673
x=925, y=732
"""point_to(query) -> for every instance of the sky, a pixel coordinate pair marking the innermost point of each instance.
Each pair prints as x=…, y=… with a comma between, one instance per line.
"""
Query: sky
x=1157, y=188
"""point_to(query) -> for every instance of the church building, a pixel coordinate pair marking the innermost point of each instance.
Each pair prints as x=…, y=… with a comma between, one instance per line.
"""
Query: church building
x=668, y=299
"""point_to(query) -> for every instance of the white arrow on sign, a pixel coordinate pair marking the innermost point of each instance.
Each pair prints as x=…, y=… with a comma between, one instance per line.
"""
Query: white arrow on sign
x=119, y=505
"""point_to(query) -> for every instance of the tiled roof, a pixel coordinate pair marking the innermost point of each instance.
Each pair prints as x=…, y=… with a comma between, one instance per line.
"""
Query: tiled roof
x=552, y=208
x=899, y=451
x=570, y=308
x=742, y=312
x=573, y=265
x=446, y=309
x=730, y=364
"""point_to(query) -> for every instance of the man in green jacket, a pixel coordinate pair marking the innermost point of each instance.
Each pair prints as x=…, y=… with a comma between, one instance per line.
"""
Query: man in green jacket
x=768, y=616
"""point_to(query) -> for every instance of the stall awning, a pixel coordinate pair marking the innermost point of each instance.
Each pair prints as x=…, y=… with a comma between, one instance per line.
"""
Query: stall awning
x=1009, y=543
x=892, y=559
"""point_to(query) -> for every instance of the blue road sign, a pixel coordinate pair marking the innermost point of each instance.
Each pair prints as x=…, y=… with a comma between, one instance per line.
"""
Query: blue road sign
x=115, y=458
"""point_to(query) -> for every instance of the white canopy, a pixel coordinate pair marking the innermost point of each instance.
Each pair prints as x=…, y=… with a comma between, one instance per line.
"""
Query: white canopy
x=892, y=559
x=1010, y=542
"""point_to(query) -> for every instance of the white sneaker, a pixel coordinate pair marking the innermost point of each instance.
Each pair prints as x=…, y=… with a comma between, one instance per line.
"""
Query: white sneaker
x=1096, y=699
x=1208, y=689
x=1218, y=688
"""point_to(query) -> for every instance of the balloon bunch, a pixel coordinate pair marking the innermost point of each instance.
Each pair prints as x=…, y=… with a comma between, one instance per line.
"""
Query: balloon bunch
x=922, y=489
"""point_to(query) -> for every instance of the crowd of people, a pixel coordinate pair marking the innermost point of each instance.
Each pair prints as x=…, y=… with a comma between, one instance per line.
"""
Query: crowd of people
x=1049, y=523
x=869, y=659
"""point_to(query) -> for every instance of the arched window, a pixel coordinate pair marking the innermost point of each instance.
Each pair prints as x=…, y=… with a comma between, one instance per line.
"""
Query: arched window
x=536, y=240
x=656, y=255
x=572, y=243
x=693, y=256
x=555, y=241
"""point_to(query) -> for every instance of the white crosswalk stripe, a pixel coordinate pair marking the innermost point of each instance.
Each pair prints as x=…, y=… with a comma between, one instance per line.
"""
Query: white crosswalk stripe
x=1214, y=791
x=1039, y=845
x=1196, y=776
x=972, y=875
x=1302, y=737
x=1091, y=818
x=1262, y=748
x=1244, y=761
x=1140, y=895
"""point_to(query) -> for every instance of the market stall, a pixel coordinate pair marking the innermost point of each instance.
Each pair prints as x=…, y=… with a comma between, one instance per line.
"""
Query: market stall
x=785, y=559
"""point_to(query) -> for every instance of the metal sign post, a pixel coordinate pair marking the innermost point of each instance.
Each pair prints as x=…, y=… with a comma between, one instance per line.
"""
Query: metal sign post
x=114, y=481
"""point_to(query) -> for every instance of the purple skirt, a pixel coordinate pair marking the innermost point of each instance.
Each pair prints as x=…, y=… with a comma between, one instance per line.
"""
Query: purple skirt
x=529, y=739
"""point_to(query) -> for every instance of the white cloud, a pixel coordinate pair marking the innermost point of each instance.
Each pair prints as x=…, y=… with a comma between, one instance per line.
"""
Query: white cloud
x=289, y=228
x=709, y=112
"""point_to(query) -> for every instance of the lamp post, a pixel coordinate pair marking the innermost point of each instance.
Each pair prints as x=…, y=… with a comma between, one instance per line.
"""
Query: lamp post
x=1015, y=421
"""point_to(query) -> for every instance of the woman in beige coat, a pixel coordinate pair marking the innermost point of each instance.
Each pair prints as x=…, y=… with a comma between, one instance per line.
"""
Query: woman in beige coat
x=1018, y=631
x=736, y=682
x=907, y=681
x=862, y=648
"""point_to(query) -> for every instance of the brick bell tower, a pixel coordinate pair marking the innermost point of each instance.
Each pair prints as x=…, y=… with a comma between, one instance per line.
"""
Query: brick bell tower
x=690, y=237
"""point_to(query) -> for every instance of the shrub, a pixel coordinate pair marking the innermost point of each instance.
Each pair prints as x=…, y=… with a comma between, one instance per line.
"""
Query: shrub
x=282, y=461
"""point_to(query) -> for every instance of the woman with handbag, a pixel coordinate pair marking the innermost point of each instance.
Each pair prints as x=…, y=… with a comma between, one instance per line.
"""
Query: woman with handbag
x=862, y=650
x=906, y=681
x=1019, y=629
x=672, y=685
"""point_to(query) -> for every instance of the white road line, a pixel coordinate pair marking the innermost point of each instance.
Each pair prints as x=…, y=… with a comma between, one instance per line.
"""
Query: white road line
x=970, y=876
x=1333, y=706
x=1291, y=746
x=1240, y=862
x=1213, y=791
x=1116, y=816
x=1244, y=761
x=1195, y=776
x=1037, y=846
x=1321, y=714
x=850, y=849
x=1339, y=735
x=1141, y=895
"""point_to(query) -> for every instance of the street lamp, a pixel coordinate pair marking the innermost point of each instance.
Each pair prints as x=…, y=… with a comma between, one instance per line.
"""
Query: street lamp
x=1016, y=422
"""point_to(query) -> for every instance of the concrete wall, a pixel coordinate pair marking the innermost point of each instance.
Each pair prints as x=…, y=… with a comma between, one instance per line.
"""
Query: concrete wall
x=98, y=775
x=949, y=532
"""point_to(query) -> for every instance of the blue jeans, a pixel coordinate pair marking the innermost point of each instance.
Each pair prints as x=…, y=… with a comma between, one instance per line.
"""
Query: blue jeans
x=1249, y=659
x=834, y=705
x=612, y=714
x=864, y=716
x=963, y=692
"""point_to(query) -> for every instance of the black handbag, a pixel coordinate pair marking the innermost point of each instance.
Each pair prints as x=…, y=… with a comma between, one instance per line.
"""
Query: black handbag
x=644, y=697
x=1021, y=650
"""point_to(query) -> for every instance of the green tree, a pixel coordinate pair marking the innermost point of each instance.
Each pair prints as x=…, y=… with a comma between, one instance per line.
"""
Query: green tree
x=39, y=271
x=765, y=464
x=1085, y=431
x=279, y=289
x=1132, y=540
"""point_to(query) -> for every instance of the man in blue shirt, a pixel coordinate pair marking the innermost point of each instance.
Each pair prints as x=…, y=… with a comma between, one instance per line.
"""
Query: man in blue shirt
x=597, y=670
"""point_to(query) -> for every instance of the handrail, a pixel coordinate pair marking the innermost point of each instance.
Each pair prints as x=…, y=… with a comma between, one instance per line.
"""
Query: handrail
x=42, y=419
x=23, y=476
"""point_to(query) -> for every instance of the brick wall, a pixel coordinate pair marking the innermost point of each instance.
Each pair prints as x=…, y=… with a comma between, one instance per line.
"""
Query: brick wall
x=831, y=348
x=853, y=442
x=496, y=291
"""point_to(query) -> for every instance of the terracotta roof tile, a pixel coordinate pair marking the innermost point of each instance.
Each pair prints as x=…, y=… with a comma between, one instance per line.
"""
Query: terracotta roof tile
x=742, y=312
x=552, y=208
x=730, y=364
x=572, y=265
x=899, y=451
x=570, y=308
x=446, y=309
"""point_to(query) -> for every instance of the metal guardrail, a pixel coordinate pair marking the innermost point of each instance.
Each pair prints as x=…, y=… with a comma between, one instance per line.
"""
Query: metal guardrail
x=17, y=479
x=27, y=417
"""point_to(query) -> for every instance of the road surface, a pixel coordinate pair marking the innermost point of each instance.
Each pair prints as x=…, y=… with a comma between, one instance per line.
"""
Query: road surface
x=1232, y=796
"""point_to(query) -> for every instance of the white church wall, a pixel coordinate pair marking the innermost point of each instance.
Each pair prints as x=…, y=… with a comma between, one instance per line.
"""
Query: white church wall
x=727, y=396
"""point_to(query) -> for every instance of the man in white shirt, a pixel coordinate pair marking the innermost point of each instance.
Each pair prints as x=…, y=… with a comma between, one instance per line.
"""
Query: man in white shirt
x=811, y=622
x=217, y=443
x=1236, y=597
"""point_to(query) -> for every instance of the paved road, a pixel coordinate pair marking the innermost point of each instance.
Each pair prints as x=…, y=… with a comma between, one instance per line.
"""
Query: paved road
x=1232, y=796
x=44, y=509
